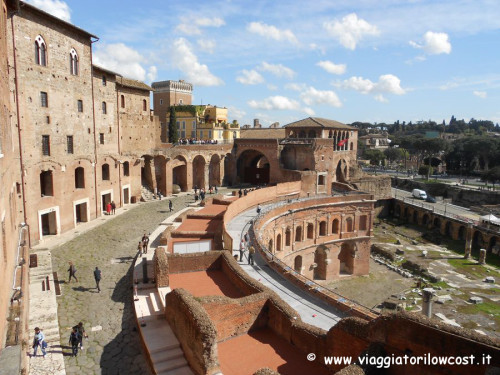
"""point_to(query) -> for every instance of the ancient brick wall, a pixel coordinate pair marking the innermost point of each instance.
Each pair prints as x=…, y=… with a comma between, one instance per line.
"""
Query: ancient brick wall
x=191, y=262
x=194, y=330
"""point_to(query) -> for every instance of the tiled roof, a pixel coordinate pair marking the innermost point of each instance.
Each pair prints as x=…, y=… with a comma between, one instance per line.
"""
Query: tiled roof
x=132, y=83
x=263, y=133
x=317, y=122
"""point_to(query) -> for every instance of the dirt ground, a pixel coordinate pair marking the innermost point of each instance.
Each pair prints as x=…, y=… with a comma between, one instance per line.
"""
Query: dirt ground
x=373, y=289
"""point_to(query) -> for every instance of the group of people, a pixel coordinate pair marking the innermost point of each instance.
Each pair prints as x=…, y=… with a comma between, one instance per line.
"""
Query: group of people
x=244, y=192
x=202, y=193
x=97, y=275
x=196, y=141
x=110, y=208
x=244, y=244
x=75, y=340
x=142, y=247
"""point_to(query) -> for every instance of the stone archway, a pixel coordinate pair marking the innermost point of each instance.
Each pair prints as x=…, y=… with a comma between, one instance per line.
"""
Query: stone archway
x=278, y=242
x=288, y=237
x=148, y=173
x=448, y=229
x=477, y=240
x=214, y=171
x=253, y=167
x=320, y=256
x=492, y=243
x=462, y=233
x=437, y=223
x=179, y=172
x=341, y=171
x=229, y=170
x=298, y=234
x=425, y=219
x=346, y=259
x=415, y=217
x=297, y=264
x=199, y=172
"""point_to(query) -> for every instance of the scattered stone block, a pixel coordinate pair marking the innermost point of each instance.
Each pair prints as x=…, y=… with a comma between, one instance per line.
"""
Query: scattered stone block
x=413, y=242
x=424, y=253
x=482, y=256
x=400, y=251
x=398, y=242
x=475, y=300
x=490, y=279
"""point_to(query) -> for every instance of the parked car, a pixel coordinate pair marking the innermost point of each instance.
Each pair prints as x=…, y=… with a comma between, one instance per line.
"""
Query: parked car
x=430, y=199
x=420, y=194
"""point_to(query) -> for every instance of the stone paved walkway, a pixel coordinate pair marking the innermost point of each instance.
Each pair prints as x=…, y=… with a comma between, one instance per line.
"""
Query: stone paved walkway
x=113, y=346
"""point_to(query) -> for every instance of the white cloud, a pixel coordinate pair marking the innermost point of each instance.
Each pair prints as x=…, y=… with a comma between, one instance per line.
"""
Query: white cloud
x=186, y=61
x=481, y=94
x=309, y=111
x=57, y=8
x=434, y=43
x=270, y=31
x=313, y=96
x=295, y=86
x=275, y=102
x=272, y=87
x=315, y=47
x=123, y=60
x=152, y=73
x=235, y=113
x=381, y=98
x=278, y=70
x=192, y=25
x=387, y=84
x=351, y=30
x=250, y=77
x=332, y=68
x=206, y=45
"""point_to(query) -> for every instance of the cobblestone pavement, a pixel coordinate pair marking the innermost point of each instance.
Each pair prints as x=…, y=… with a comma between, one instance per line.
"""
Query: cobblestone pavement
x=113, y=346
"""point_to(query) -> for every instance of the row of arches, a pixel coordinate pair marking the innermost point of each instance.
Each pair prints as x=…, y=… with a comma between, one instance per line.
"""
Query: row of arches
x=449, y=228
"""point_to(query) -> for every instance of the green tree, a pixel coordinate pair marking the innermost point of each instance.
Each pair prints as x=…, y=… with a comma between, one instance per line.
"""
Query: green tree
x=425, y=171
x=492, y=175
x=173, y=136
x=393, y=153
x=376, y=157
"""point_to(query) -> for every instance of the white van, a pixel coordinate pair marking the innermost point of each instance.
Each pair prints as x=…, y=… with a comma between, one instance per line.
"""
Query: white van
x=420, y=194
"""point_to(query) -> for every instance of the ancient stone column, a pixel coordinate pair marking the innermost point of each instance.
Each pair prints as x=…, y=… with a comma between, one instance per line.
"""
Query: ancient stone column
x=427, y=294
x=482, y=256
x=468, y=242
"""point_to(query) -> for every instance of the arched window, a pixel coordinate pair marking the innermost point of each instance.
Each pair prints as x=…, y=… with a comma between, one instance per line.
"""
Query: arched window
x=144, y=104
x=104, y=108
x=348, y=225
x=288, y=237
x=79, y=178
x=40, y=51
x=122, y=101
x=126, y=169
x=278, y=242
x=322, y=228
x=310, y=230
x=105, y=171
x=73, y=62
x=335, y=226
x=298, y=234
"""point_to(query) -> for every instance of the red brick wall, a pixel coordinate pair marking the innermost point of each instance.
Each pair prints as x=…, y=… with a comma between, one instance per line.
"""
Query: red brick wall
x=178, y=263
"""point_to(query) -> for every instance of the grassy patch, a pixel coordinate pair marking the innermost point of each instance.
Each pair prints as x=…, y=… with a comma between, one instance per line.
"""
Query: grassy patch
x=469, y=267
x=487, y=307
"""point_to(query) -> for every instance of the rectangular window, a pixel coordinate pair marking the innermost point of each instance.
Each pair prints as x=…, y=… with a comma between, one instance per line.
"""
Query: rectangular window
x=44, y=100
x=193, y=133
x=210, y=134
x=69, y=144
x=45, y=145
x=161, y=101
x=104, y=80
x=101, y=138
x=80, y=105
x=201, y=134
x=183, y=124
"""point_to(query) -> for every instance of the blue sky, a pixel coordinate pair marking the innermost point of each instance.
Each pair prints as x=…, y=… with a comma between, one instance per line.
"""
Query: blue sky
x=365, y=60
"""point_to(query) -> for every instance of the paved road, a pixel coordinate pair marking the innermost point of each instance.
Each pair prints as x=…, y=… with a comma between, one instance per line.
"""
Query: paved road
x=440, y=207
x=312, y=310
x=113, y=346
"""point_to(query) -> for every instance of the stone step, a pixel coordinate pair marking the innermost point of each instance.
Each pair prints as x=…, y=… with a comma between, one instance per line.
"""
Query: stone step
x=171, y=365
x=185, y=370
x=166, y=355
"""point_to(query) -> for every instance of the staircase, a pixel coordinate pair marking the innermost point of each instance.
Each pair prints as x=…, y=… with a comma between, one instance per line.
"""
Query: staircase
x=146, y=194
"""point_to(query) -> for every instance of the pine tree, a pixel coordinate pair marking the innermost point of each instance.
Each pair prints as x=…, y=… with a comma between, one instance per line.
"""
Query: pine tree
x=173, y=136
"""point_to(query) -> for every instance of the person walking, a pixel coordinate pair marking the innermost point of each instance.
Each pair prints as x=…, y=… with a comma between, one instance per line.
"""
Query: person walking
x=145, y=242
x=39, y=341
x=108, y=209
x=170, y=205
x=74, y=340
x=258, y=209
x=251, y=252
x=242, y=249
x=216, y=190
x=81, y=334
x=72, y=272
x=97, y=277
x=240, y=193
x=139, y=248
x=113, y=207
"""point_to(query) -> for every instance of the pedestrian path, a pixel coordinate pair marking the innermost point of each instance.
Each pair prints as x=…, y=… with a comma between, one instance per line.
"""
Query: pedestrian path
x=43, y=314
x=312, y=310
